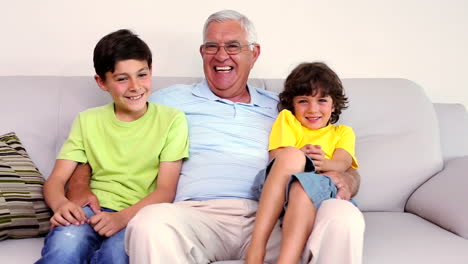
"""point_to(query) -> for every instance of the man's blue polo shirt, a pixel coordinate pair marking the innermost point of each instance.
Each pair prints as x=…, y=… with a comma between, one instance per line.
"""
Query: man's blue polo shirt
x=228, y=141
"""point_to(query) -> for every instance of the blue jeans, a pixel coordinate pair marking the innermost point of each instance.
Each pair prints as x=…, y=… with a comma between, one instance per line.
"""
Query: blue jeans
x=81, y=244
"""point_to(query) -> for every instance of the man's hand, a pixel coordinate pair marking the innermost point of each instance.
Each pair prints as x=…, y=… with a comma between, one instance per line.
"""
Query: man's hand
x=68, y=213
x=79, y=191
x=346, y=182
x=108, y=223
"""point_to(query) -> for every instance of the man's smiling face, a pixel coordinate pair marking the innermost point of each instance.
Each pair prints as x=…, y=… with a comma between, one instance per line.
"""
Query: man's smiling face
x=227, y=74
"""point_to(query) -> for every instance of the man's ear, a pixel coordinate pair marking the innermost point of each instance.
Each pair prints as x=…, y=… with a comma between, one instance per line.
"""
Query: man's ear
x=201, y=52
x=100, y=82
x=255, y=54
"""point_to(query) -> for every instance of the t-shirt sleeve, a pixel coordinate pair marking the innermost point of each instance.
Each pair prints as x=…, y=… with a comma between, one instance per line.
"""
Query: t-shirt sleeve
x=348, y=142
x=176, y=146
x=73, y=148
x=282, y=132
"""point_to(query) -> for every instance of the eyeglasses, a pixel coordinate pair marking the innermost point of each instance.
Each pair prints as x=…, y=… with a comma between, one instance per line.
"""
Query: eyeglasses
x=230, y=48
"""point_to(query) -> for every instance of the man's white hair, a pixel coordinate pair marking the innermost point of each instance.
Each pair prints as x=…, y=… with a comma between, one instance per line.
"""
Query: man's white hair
x=231, y=15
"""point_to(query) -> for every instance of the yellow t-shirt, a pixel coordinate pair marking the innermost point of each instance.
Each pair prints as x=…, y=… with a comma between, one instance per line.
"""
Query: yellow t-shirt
x=288, y=131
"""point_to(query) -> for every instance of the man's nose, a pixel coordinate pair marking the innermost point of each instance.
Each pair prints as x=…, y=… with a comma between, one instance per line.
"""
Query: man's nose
x=221, y=54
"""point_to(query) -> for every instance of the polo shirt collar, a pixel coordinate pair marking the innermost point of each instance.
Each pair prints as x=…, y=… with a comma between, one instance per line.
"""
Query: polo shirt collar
x=202, y=90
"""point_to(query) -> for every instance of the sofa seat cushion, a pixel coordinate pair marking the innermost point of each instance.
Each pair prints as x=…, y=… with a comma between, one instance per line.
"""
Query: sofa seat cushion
x=393, y=237
x=21, y=251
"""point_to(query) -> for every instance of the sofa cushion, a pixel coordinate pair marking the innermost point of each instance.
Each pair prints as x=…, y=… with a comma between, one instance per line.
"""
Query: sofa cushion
x=394, y=122
x=393, y=237
x=23, y=212
x=21, y=251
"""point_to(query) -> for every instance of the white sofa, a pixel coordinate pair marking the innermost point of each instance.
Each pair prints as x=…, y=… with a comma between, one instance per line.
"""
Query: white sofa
x=412, y=153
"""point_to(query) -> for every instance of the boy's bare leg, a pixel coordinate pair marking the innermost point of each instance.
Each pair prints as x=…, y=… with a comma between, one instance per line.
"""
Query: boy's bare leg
x=297, y=224
x=290, y=161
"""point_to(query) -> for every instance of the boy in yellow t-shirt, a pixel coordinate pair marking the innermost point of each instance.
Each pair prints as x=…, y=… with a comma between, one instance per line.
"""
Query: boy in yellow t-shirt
x=135, y=149
x=303, y=143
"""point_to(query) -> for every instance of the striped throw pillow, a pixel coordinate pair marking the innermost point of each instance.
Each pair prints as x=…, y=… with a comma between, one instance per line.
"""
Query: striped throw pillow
x=23, y=212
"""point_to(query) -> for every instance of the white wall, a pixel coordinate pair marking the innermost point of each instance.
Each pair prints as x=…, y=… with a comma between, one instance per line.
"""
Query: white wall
x=422, y=40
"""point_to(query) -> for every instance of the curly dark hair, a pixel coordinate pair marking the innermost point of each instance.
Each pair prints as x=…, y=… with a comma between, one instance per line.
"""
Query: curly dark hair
x=309, y=79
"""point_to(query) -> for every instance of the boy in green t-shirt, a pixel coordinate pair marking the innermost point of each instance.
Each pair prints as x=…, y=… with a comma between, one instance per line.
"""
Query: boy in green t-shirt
x=135, y=149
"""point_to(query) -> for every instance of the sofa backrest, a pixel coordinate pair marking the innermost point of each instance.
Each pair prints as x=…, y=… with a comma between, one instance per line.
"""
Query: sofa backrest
x=398, y=143
x=397, y=132
x=453, y=124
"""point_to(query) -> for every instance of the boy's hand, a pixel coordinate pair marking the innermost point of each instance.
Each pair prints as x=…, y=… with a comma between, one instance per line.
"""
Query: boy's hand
x=108, y=223
x=68, y=213
x=316, y=153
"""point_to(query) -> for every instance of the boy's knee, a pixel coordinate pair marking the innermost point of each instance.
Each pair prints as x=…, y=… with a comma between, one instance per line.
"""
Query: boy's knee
x=69, y=243
x=291, y=160
x=290, y=153
x=71, y=235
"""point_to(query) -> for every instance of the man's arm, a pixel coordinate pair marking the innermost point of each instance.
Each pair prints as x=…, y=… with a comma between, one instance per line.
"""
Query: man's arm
x=347, y=182
x=65, y=211
x=78, y=188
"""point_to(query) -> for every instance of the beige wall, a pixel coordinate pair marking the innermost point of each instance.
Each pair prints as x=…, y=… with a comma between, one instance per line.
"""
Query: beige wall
x=422, y=40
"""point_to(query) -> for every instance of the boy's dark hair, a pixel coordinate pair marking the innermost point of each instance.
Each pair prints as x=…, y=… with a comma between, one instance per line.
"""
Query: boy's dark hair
x=120, y=45
x=310, y=79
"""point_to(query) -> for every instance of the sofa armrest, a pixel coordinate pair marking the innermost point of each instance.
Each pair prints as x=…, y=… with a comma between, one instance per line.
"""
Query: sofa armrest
x=443, y=199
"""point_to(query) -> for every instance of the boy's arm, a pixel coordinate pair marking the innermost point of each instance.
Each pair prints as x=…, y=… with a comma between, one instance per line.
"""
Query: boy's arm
x=340, y=161
x=107, y=224
x=65, y=212
x=79, y=191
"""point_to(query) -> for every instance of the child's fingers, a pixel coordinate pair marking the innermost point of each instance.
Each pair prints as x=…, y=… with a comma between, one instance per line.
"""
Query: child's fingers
x=99, y=225
x=95, y=219
x=59, y=220
x=53, y=223
x=104, y=230
x=68, y=216
x=79, y=214
x=110, y=233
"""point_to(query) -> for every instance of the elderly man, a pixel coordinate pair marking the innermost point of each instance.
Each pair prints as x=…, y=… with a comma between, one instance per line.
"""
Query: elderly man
x=213, y=215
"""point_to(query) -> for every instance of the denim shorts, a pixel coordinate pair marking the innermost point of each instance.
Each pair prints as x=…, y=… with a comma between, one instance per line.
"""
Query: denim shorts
x=318, y=187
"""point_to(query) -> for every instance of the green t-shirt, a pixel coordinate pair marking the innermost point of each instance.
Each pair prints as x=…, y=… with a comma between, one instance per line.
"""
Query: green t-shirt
x=125, y=156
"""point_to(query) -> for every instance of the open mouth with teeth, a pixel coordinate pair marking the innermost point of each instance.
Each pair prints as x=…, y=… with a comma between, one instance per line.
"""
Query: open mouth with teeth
x=313, y=119
x=134, y=98
x=223, y=68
